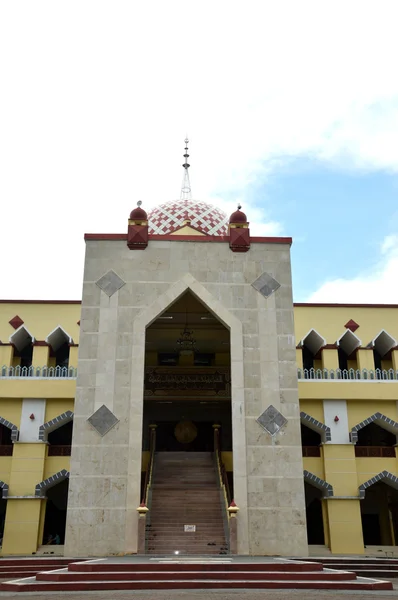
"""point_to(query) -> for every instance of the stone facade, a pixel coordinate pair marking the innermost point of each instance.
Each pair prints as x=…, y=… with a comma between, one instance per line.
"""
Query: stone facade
x=105, y=470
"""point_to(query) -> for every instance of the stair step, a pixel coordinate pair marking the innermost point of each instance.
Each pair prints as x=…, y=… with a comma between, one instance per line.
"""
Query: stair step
x=69, y=586
x=196, y=575
x=90, y=567
x=30, y=562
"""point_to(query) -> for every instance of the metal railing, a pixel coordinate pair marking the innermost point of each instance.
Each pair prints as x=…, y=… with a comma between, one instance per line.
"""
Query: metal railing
x=6, y=450
x=38, y=372
x=149, y=471
x=311, y=451
x=375, y=451
x=45, y=372
x=348, y=374
x=223, y=483
x=59, y=450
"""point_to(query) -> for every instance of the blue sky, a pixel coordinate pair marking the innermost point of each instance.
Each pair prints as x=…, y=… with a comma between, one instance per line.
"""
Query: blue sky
x=338, y=219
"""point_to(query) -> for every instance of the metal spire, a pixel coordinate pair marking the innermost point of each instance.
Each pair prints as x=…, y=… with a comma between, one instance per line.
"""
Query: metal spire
x=186, y=186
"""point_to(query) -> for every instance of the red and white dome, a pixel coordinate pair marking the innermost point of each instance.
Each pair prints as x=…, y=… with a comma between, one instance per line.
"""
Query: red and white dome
x=167, y=218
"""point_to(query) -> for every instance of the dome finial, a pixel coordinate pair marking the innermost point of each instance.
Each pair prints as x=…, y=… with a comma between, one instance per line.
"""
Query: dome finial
x=238, y=216
x=138, y=214
x=186, y=186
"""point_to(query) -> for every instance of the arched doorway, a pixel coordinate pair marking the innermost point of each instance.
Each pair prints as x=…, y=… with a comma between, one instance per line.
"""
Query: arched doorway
x=379, y=514
x=55, y=515
x=187, y=378
x=313, y=507
x=310, y=441
x=60, y=440
x=376, y=442
x=187, y=393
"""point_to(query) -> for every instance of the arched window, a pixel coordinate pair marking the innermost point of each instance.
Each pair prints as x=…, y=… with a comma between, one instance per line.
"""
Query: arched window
x=311, y=344
x=59, y=341
x=347, y=345
x=22, y=342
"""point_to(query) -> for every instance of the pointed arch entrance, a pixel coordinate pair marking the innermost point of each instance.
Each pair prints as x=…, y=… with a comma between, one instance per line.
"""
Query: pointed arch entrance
x=379, y=510
x=55, y=489
x=211, y=308
x=187, y=379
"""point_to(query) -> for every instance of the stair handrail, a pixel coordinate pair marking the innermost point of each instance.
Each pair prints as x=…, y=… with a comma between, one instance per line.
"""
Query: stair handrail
x=149, y=471
x=222, y=473
x=223, y=483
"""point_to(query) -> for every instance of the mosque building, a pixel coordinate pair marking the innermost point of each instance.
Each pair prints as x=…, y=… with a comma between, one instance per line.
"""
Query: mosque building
x=185, y=404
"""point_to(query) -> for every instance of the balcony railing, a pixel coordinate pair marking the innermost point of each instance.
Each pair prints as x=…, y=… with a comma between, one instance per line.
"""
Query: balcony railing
x=6, y=450
x=375, y=451
x=311, y=451
x=59, y=450
x=38, y=372
x=348, y=374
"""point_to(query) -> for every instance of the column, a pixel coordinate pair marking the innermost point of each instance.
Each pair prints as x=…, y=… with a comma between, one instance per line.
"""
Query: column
x=365, y=359
x=21, y=532
x=330, y=358
x=40, y=356
x=394, y=358
x=6, y=353
x=345, y=524
x=299, y=358
x=73, y=356
x=343, y=509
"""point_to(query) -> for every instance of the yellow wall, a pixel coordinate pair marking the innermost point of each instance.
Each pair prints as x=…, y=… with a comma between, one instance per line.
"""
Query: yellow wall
x=314, y=466
x=313, y=408
x=40, y=319
x=359, y=411
x=360, y=391
x=21, y=533
x=30, y=387
x=329, y=321
x=27, y=469
x=57, y=406
x=10, y=408
x=55, y=464
x=5, y=468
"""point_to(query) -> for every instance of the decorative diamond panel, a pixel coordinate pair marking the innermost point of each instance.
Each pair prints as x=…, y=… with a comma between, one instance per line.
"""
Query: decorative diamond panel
x=272, y=420
x=169, y=217
x=266, y=285
x=16, y=322
x=103, y=420
x=110, y=283
x=351, y=325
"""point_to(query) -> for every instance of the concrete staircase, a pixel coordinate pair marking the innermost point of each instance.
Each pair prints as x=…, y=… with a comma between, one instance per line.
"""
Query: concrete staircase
x=365, y=567
x=133, y=574
x=10, y=568
x=185, y=491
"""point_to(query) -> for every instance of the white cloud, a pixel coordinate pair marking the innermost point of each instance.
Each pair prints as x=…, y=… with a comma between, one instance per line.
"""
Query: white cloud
x=379, y=285
x=98, y=96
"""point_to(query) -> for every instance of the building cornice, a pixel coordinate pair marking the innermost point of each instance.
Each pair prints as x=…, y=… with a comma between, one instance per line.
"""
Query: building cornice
x=186, y=238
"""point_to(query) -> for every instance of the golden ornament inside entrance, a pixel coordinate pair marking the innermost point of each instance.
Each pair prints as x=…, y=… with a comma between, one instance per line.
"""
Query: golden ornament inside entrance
x=185, y=432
